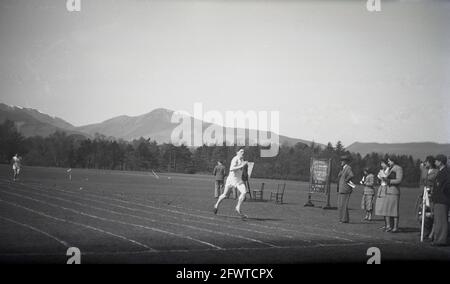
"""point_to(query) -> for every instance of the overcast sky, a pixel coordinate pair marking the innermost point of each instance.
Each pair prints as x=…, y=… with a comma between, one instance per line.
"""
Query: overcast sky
x=332, y=69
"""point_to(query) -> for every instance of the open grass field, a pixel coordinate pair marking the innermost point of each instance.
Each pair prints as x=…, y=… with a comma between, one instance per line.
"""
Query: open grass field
x=133, y=217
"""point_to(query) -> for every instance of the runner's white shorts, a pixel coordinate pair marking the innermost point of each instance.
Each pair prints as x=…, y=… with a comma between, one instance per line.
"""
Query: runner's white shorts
x=16, y=168
x=235, y=182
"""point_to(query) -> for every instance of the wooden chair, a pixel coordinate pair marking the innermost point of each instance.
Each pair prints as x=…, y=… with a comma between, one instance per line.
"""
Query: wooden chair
x=279, y=193
x=258, y=193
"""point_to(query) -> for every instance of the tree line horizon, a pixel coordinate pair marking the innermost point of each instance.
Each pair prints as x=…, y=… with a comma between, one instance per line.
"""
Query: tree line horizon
x=144, y=154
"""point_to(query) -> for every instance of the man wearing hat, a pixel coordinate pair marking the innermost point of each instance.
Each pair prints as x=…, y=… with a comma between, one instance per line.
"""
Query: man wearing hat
x=344, y=189
x=441, y=202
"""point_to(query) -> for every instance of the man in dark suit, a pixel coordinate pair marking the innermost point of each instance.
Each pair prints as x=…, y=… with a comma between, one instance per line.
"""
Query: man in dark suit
x=441, y=202
x=219, y=173
x=344, y=189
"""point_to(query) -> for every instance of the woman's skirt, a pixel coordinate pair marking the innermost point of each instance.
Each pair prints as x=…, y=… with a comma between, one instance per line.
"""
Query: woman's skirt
x=367, y=202
x=380, y=199
x=391, y=205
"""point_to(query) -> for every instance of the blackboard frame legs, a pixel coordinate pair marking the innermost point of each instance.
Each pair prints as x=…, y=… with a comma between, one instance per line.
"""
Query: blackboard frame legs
x=309, y=203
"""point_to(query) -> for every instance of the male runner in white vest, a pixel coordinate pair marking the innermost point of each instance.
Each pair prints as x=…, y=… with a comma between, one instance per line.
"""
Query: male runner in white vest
x=234, y=180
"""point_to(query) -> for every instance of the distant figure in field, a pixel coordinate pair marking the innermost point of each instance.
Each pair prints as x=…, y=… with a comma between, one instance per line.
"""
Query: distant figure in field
x=381, y=194
x=392, y=199
x=219, y=174
x=234, y=180
x=16, y=165
x=344, y=189
x=441, y=202
x=367, y=200
x=427, y=178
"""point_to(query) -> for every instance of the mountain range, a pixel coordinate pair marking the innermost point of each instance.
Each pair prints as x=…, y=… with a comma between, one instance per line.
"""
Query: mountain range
x=157, y=125
x=31, y=122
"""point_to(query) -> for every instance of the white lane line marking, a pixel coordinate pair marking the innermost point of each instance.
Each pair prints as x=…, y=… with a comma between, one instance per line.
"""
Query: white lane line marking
x=64, y=243
x=212, y=218
x=153, y=212
x=272, y=228
x=300, y=226
x=74, y=223
x=209, y=218
x=289, y=224
x=117, y=221
x=195, y=221
x=143, y=218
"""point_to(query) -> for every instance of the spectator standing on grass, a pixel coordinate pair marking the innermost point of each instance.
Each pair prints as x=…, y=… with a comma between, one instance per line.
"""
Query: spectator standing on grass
x=380, y=209
x=392, y=199
x=441, y=202
x=219, y=174
x=367, y=200
x=428, y=176
x=344, y=189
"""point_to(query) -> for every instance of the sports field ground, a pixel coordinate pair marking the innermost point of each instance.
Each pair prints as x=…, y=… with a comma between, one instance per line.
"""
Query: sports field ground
x=134, y=217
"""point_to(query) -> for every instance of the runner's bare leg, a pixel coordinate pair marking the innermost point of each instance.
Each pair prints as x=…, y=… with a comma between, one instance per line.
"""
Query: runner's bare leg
x=242, y=191
x=221, y=197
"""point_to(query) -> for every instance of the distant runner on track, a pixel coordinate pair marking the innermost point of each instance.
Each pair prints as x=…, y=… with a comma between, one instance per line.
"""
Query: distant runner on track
x=234, y=180
x=16, y=166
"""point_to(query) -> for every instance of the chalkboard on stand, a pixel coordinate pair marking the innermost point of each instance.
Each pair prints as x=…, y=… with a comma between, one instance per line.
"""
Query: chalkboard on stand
x=319, y=182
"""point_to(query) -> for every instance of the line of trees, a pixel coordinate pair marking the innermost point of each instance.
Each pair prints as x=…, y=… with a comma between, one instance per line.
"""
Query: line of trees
x=72, y=151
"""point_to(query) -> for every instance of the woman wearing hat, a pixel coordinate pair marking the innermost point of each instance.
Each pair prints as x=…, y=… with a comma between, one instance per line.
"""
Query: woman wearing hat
x=392, y=199
x=428, y=176
x=380, y=208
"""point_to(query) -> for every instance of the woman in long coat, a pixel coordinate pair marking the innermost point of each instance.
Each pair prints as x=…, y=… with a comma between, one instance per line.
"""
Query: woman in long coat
x=392, y=199
x=380, y=208
x=428, y=176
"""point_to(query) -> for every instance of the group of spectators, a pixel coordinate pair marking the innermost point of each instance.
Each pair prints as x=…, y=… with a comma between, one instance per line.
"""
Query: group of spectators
x=382, y=193
x=384, y=201
x=436, y=184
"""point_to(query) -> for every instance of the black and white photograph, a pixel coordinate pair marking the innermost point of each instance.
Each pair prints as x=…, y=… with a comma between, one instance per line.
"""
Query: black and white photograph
x=234, y=134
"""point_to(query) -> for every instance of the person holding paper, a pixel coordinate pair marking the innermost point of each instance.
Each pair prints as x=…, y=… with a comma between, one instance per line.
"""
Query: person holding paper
x=392, y=200
x=380, y=208
x=369, y=192
x=344, y=188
